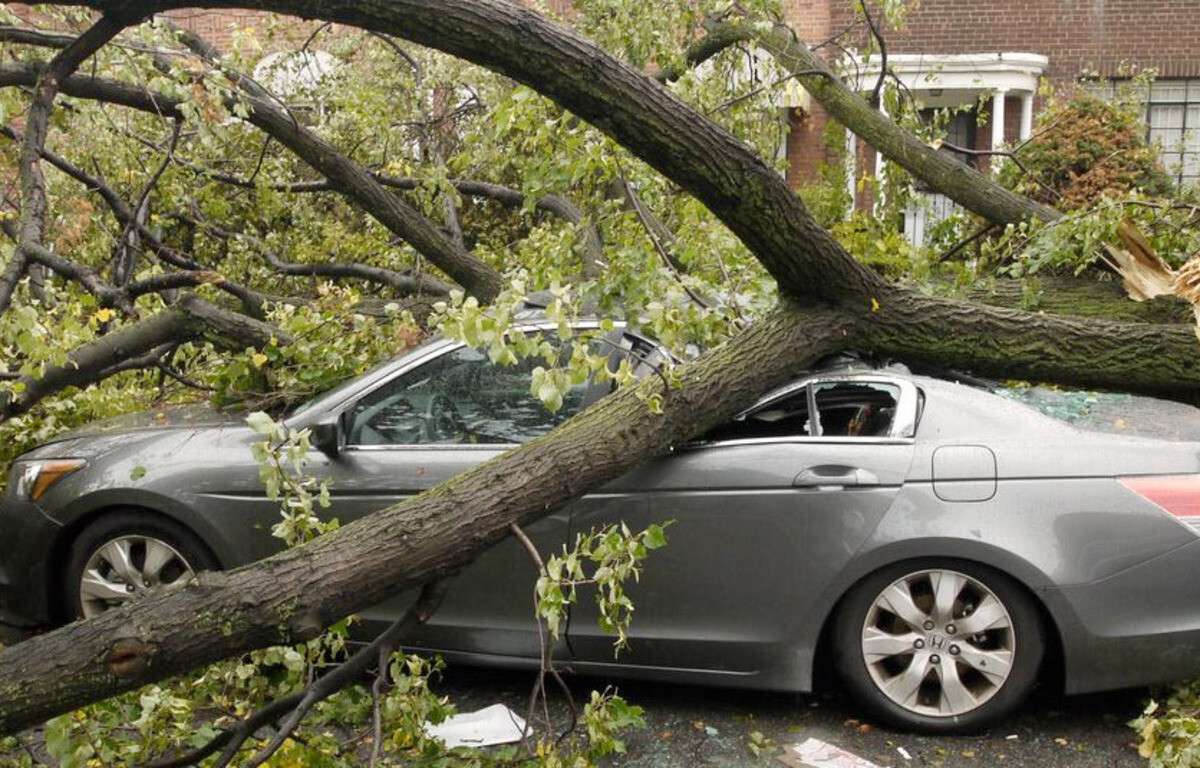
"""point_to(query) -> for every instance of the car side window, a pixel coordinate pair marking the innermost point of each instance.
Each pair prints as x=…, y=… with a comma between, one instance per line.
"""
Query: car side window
x=784, y=417
x=843, y=409
x=856, y=408
x=461, y=397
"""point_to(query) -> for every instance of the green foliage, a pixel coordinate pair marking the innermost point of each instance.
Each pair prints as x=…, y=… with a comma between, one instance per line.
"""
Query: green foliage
x=499, y=329
x=281, y=457
x=884, y=248
x=333, y=339
x=605, y=716
x=1170, y=730
x=614, y=555
x=1075, y=242
x=828, y=197
x=1089, y=157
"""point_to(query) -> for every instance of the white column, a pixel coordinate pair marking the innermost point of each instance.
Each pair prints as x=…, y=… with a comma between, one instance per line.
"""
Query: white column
x=879, y=155
x=879, y=166
x=1026, y=115
x=997, y=122
x=851, y=170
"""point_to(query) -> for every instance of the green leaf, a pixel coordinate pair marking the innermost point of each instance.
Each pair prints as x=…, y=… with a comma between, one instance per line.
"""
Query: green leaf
x=655, y=537
x=261, y=423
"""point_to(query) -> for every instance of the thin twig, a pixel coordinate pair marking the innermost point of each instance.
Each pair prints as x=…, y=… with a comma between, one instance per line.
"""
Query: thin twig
x=981, y=232
x=124, y=268
x=883, y=66
x=546, y=666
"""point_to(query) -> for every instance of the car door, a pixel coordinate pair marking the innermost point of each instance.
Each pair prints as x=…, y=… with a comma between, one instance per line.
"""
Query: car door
x=766, y=510
x=424, y=426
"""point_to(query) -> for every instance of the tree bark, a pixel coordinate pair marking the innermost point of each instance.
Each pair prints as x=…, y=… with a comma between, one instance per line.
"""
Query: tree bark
x=949, y=334
x=1081, y=297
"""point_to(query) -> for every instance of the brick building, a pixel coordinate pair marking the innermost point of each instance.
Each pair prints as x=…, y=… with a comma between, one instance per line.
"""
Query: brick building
x=957, y=52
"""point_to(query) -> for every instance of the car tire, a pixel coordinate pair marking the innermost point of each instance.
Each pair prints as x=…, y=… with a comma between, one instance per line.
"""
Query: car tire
x=141, y=536
x=943, y=684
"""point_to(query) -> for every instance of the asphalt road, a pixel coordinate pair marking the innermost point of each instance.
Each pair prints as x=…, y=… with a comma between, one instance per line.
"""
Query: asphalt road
x=691, y=726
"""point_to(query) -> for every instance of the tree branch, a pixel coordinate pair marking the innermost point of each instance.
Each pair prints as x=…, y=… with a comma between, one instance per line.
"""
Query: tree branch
x=353, y=181
x=126, y=261
x=401, y=283
x=128, y=218
x=190, y=318
x=115, y=92
x=707, y=161
x=660, y=238
x=971, y=189
x=32, y=182
x=346, y=673
x=875, y=100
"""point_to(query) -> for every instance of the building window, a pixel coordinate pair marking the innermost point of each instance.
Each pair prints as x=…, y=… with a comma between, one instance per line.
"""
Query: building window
x=1173, y=119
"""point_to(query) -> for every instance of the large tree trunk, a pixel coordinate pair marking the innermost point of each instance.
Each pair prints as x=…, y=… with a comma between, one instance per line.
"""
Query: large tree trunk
x=1081, y=297
x=294, y=594
x=952, y=335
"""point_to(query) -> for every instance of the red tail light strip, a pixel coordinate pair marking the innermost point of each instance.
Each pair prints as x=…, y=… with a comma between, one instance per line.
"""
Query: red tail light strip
x=1176, y=494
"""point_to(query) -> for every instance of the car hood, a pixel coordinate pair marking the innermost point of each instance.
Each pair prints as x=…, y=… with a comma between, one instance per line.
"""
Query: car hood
x=97, y=436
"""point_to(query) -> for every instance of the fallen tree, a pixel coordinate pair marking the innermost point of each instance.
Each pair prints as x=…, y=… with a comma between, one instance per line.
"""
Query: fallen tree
x=830, y=303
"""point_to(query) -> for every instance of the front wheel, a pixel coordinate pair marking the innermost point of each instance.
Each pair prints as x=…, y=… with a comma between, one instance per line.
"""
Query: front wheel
x=938, y=645
x=123, y=555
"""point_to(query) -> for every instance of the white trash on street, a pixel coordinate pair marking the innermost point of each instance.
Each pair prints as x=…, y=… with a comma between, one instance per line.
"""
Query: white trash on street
x=486, y=727
x=814, y=753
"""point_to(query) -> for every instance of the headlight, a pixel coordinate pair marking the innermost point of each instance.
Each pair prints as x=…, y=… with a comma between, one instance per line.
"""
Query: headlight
x=34, y=478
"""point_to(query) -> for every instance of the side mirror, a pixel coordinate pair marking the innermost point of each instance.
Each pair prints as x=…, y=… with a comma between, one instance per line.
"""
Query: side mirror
x=329, y=435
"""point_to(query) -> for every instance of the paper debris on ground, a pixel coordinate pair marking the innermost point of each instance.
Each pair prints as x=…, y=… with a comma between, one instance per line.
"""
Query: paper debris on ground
x=496, y=724
x=814, y=753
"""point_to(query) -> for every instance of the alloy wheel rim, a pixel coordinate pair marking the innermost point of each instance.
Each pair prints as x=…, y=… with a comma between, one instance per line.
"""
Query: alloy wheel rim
x=938, y=643
x=125, y=569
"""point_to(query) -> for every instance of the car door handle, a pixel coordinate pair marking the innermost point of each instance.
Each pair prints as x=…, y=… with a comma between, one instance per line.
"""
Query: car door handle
x=833, y=477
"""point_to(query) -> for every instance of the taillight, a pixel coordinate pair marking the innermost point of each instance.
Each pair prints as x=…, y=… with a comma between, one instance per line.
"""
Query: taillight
x=1177, y=494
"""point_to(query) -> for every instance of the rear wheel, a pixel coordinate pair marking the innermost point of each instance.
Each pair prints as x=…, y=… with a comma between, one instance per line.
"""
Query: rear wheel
x=123, y=555
x=938, y=645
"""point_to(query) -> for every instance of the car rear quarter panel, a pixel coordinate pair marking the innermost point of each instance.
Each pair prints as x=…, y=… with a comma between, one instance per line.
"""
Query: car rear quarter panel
x=1114, y=571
